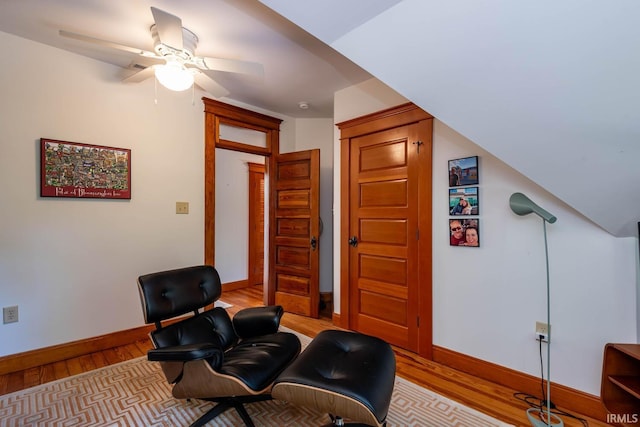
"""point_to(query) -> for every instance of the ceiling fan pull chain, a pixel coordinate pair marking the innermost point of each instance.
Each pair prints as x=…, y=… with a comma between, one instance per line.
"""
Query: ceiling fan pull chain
x=155, y=90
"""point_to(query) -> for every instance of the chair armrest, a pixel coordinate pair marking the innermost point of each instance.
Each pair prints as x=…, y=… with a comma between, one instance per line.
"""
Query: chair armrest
x=185, y=353
x=256, y=321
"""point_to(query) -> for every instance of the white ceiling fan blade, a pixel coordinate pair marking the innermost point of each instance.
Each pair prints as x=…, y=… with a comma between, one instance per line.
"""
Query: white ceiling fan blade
x=141, y=75
x=169, y=28
x=106, y=43
x=233, y=66
x=209, y=85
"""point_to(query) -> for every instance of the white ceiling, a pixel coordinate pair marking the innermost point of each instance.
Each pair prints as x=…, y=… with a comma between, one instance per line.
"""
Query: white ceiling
x=298, y=67
x=549, y=87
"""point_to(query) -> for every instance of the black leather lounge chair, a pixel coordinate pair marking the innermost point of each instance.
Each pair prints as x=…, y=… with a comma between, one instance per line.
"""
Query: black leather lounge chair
x=208, y=356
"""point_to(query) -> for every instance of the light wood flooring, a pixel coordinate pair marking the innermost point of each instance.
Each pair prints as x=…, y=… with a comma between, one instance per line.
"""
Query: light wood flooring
x=484, y=396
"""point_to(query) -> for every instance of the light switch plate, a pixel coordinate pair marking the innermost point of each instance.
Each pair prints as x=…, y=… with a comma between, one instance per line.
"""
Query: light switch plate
x=10, y=314
x=182, y=207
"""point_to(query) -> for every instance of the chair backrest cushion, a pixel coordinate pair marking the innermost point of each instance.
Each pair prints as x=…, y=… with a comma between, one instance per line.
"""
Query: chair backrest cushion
x=172, y=293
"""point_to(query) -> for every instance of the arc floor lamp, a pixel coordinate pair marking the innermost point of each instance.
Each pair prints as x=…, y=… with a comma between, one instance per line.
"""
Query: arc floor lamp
x=522, y=205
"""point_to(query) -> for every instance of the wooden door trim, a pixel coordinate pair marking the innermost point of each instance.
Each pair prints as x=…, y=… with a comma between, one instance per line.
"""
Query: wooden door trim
x=385, y=119
x=400, y=115
x=255, y=170
x=425, y=265
x=217, y=112
x=241, y=117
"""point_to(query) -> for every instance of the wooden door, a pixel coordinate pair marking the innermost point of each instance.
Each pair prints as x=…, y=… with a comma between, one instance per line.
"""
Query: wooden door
x=386, y=202
x=383, y=229
x=256, y=224
x=294, y=228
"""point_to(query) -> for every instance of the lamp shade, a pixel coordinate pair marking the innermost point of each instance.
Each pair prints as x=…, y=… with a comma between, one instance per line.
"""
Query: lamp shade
x=522, y=205
x=174, y=76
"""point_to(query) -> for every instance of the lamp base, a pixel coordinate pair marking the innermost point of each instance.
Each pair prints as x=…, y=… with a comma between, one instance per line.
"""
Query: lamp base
x=539, y=418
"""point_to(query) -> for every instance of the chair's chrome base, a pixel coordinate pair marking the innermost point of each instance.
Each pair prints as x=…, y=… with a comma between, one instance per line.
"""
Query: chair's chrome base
x=339, y=422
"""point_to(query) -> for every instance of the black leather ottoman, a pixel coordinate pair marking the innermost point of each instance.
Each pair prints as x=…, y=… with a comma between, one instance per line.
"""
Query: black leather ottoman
x=346, y=374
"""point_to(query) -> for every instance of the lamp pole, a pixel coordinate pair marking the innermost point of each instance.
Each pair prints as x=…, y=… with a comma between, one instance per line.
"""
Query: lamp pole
x=546, y=257
x=522, y=205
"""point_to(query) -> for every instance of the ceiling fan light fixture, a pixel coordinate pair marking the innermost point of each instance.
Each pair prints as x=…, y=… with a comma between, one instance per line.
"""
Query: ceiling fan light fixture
x=174, y=47
x=174, y=76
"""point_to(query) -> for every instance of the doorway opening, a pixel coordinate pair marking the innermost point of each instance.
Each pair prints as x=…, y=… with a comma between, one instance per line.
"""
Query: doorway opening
x=240, y=221
x=293, y=222
x=235, y=129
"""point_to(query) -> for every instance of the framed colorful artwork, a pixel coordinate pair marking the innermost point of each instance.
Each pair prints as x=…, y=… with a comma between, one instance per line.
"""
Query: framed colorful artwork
x=71, y=169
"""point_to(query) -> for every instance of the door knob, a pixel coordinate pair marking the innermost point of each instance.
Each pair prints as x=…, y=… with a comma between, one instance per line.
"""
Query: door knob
x=314, y=243
x=353, y=241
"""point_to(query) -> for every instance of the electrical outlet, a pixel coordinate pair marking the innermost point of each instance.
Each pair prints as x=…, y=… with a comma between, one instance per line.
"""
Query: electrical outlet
x=10, y=314
x=182, y=207
x=542, y=331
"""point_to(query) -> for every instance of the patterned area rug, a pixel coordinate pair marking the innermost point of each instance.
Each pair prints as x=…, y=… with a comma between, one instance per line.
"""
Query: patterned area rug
x=135, y=393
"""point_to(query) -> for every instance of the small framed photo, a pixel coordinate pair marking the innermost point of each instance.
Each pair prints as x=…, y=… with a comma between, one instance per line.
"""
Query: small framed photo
x=463, y=171
x=464, y=232
x=464, y=201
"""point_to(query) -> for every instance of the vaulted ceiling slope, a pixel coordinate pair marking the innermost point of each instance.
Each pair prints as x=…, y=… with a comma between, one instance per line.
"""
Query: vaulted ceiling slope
x=551, y=88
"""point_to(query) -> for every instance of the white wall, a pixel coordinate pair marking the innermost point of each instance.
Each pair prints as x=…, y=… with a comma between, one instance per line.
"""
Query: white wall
x=232, y=213
x=71, y=264
x=486, y=300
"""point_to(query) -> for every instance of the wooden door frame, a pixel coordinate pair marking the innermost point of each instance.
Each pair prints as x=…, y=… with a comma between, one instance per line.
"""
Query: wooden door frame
x=401, y=115
x=255, y=169
x=217, y=113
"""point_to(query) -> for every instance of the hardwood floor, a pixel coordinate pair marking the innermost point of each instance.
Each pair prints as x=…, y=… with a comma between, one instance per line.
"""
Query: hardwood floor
x=484, y=396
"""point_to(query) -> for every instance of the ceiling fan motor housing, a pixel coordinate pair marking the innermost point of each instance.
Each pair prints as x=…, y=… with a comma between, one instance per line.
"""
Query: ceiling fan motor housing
x=189, y=44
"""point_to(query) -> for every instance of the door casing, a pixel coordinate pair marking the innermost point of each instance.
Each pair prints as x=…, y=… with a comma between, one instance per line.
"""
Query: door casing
x=401, y=115
x=256, y=230
x=217, y=113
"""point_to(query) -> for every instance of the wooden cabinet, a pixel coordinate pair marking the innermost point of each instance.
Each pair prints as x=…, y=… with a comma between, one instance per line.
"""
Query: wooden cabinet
x=620, y=390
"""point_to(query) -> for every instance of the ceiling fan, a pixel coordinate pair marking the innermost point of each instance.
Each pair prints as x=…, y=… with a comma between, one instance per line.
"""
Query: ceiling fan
x=173, y=61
